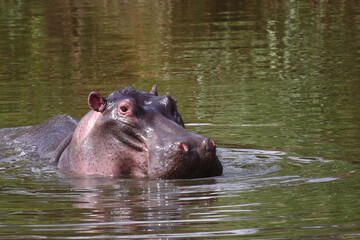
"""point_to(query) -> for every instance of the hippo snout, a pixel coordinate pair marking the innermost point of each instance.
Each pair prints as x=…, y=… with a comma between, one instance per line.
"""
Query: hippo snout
x=209, y=162
x=194, y=158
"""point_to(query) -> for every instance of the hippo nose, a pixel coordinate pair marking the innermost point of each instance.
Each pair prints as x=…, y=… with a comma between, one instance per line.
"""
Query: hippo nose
x=206, y=145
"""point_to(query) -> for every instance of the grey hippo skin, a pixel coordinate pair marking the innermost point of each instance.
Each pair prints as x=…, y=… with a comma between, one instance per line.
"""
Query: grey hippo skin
x=129, y=133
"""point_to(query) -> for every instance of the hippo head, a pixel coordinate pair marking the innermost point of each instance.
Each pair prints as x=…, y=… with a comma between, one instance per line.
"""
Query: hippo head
x=139, y=133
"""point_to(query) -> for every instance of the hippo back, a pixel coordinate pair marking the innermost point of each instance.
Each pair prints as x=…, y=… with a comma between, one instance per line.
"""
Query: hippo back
x=47, y=136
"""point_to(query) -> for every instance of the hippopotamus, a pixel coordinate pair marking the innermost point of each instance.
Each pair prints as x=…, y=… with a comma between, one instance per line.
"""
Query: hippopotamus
x=129, y=133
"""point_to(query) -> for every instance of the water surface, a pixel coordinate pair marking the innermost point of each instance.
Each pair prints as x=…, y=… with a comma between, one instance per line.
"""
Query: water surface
x=274, y=84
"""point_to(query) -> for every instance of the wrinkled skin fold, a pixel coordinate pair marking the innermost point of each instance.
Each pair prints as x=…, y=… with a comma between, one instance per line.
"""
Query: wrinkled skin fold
x=133, y=133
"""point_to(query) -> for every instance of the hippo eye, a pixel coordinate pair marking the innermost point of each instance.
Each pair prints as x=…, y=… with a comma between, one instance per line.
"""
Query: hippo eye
x=123, y=109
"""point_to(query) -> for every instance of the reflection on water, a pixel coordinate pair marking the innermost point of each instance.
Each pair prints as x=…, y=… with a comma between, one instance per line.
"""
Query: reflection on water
x=274, y=83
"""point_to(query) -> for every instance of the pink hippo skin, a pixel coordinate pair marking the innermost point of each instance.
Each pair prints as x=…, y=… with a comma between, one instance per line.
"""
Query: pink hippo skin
x=136, y=133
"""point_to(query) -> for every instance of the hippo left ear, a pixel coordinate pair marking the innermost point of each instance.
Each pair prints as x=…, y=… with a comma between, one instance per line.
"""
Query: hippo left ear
x=97, y=102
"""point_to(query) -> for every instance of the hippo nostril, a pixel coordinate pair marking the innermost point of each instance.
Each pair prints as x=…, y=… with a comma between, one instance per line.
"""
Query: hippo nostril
x=211, y=143
x=208, y=144
x=183, y=147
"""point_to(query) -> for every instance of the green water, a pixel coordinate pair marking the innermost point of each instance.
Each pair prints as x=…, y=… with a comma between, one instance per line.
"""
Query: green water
x=274, y=83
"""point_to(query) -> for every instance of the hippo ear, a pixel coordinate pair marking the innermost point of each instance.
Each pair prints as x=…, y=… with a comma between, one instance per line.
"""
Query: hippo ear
x=97, y=102
x=154, y=90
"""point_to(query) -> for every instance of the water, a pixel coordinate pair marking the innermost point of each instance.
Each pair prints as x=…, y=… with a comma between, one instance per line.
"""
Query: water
x=274, y=84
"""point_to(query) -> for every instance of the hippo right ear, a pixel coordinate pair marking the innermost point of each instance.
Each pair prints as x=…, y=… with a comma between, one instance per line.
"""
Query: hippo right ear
x=97, y=102
x=154, y=90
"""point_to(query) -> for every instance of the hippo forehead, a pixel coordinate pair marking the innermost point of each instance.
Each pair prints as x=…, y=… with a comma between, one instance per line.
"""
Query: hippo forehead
x=141, y=98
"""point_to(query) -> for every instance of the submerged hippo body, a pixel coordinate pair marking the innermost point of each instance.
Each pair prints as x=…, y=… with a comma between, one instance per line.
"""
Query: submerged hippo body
x=134, y=133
